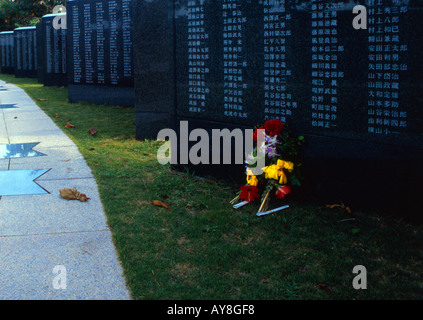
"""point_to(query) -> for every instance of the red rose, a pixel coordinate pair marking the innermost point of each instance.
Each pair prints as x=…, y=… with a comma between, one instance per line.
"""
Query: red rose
x=255, y=133
x=282, y=191
x=249, y=193
x=273, y=127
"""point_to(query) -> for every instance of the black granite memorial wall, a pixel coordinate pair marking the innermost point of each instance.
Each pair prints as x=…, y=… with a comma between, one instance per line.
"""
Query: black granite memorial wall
x=356, y=94
x=54, y=52
x=154, y=65
x=7, y=52
x=25, y=41
x=100, y=54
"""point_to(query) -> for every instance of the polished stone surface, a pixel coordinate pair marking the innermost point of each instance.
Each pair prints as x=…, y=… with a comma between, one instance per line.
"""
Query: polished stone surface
x=7, y=106
x=303, y=63
x=19, y=150
x=21, y=182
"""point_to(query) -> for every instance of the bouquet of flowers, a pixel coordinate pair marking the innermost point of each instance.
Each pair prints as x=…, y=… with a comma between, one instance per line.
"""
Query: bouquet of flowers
x=280, y=149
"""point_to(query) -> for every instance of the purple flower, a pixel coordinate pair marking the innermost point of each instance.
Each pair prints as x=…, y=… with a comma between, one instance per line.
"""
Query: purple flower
x=270, y=141
x=271, y=152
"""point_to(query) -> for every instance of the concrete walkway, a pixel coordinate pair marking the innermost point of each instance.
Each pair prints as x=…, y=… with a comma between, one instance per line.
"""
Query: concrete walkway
x=41, y=231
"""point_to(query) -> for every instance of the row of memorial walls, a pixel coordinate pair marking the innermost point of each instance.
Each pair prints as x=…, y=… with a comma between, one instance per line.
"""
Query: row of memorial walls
x=36, y=51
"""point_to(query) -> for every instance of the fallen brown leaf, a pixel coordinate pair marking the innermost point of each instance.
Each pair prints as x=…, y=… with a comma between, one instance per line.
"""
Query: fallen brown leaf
x=158, y=203
x=68, y=125
x=56, y=115
x=73, y=194
x=92, y=131
x=338, y=206
x=39, y=99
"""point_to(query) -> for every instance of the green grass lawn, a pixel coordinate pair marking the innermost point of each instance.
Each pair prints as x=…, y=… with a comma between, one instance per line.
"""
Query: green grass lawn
x=203, y=249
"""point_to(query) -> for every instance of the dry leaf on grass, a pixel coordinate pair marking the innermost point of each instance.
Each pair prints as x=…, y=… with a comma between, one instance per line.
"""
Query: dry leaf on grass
x=338, y=206
x=56, y=115
x=73, y=194
x=158, y=203
x=39, y=99
x=92, y=131
x=68, y=125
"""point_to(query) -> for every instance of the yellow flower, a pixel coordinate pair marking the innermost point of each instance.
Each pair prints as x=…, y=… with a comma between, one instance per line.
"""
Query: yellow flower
x=251, y=179
x=283, y=179
x=276, y=171
x=272, y=172
x=286, y=165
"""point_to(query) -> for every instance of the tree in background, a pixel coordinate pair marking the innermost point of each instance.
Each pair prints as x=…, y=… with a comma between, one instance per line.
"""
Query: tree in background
x=20, y=13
